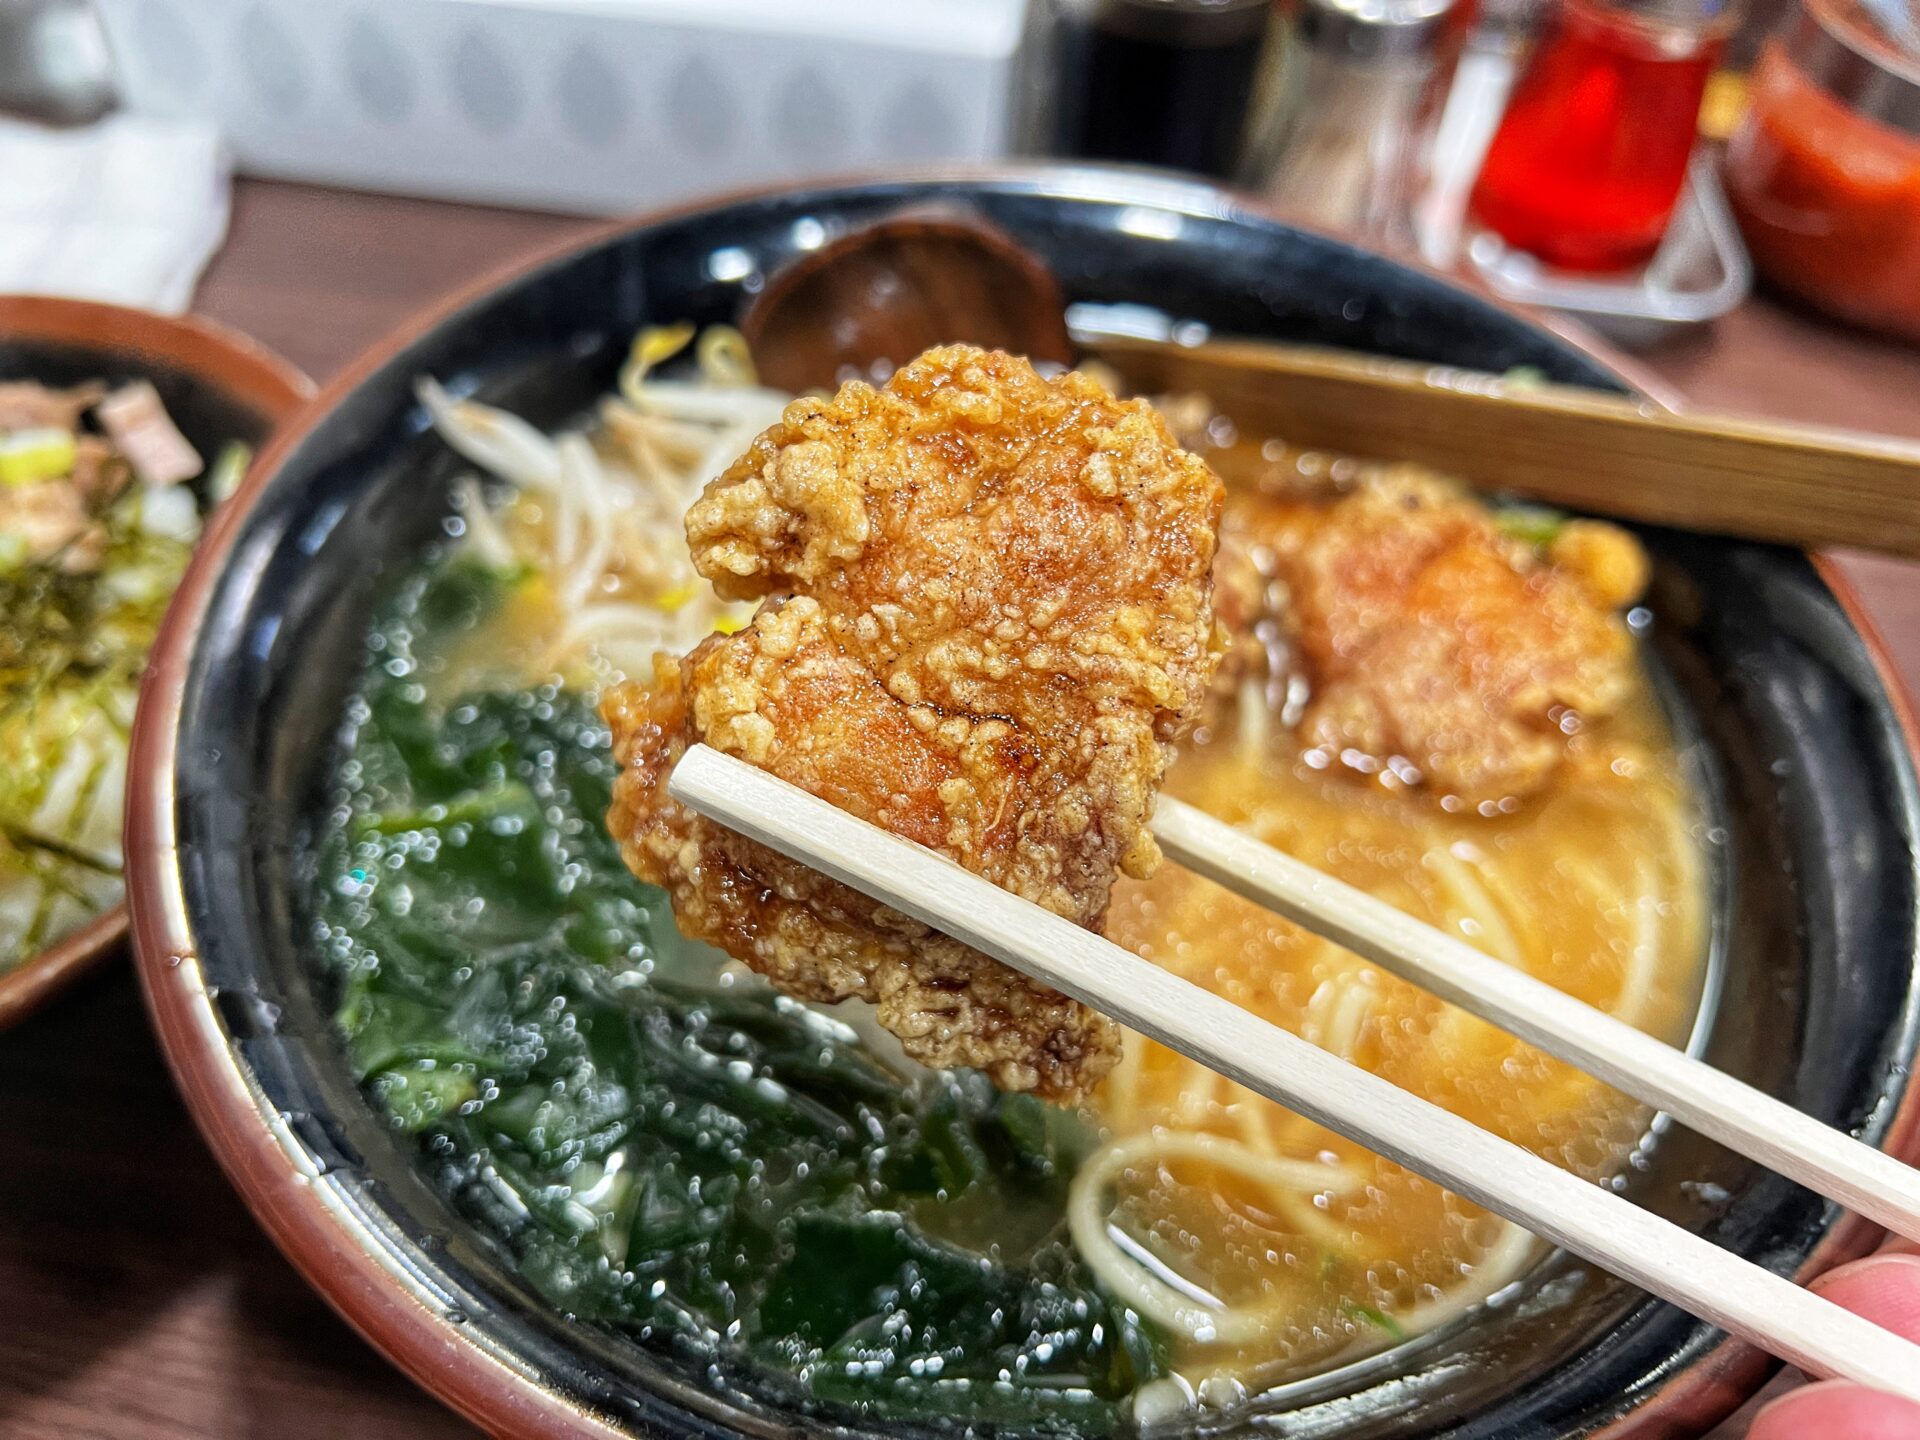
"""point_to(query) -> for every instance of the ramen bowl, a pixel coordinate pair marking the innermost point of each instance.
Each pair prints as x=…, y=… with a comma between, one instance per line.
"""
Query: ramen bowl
x=1779, y=699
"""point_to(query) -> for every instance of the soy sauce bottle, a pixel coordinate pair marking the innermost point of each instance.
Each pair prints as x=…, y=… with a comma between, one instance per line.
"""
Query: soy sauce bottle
x=1155, y=82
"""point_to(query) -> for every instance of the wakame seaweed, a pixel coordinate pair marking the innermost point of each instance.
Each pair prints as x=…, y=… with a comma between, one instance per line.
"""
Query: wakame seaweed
x=706, y=1167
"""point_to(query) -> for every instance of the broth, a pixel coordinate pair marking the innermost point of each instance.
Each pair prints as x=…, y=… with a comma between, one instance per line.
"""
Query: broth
x=1596, y=887
x=665, y=1146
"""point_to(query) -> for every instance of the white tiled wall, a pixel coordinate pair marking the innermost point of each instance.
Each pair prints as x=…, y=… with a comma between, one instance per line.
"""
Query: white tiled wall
x=593, y=105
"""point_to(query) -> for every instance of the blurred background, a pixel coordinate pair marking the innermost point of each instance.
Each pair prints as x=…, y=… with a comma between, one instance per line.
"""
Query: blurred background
x=1630, y=161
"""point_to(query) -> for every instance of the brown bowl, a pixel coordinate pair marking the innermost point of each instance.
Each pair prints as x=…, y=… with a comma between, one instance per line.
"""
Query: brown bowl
x=218, y=386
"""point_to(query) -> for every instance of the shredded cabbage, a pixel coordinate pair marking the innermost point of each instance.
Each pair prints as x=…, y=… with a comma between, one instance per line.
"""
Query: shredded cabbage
x=89, y=558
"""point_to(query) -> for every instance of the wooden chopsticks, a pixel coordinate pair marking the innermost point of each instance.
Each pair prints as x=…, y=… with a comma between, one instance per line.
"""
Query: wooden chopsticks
x=1740, y=1297
x=1559, y=443
x=1740, y=1117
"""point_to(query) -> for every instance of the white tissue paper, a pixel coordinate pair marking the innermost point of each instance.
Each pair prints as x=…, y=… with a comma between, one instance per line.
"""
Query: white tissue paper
x=128, y=210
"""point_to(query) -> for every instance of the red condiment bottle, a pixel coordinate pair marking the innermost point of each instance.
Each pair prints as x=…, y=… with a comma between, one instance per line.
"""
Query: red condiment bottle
x=1824, y=170
x=1590, y=156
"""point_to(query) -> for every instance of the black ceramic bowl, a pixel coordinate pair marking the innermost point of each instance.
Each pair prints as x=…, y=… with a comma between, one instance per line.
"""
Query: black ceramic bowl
x=1793, y=725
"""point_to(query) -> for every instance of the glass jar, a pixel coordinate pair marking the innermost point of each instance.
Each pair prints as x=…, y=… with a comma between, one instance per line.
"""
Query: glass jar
x=1824, y=170
x=1588, y=160
x=1345, y=138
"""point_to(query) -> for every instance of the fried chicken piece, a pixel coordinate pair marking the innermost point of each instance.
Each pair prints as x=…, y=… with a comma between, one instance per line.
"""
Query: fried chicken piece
x=1429, y=638
x=987, y=619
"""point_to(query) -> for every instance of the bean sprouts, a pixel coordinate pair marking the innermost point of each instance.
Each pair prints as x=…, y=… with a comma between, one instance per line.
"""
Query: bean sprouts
x=593, y=520
x=1152, y=1288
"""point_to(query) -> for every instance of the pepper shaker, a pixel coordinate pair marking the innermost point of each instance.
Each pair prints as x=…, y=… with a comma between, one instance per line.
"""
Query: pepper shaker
x=1344, y=137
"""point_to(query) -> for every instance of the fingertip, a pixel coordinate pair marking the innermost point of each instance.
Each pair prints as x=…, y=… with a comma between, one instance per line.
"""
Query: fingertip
x=1884, y=1288
x=1835, y=1410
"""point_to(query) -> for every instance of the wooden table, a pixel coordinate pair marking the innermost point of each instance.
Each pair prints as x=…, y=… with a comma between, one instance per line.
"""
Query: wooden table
x=136, y=1295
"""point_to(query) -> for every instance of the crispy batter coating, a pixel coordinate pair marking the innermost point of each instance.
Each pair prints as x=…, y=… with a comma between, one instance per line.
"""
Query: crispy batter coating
x=1429, y=639
x=988, y=617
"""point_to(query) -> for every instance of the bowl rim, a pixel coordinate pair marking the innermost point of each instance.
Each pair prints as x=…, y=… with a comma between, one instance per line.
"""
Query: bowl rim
x=217, y=357
x=383, y=1302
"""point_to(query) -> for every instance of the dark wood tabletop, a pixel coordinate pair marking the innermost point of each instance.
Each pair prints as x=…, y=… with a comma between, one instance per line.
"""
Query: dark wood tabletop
x=137, y=1297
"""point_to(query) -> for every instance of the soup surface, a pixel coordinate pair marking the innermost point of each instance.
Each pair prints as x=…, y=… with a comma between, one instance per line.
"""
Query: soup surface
x=1593, y=886
x=668, y=1147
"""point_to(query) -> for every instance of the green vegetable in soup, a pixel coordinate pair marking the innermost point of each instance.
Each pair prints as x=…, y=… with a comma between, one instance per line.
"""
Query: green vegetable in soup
x=665, y=1145
x=1379, y=1319
x=1535, y=525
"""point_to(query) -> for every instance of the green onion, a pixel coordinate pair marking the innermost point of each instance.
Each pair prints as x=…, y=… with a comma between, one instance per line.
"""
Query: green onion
x=29, y=456
x=1379, y=1319
x=229, y=469
x=1535, y=525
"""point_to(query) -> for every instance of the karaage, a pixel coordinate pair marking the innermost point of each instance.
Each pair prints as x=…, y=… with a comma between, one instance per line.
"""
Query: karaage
x=1434, y=646
x=987, y=618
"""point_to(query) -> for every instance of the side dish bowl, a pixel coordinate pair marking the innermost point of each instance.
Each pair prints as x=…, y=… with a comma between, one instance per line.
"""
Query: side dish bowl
x=219, y=387
x=1797, y=723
